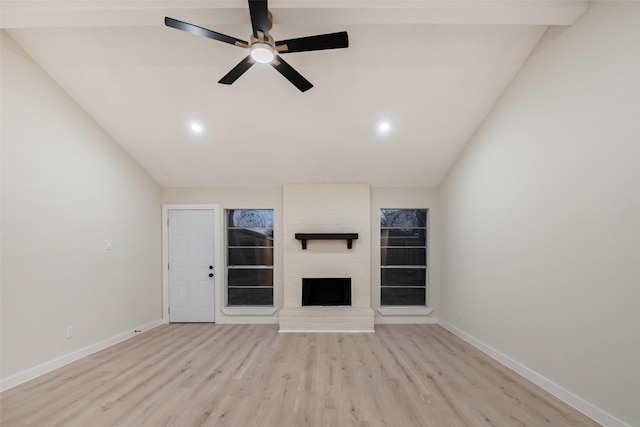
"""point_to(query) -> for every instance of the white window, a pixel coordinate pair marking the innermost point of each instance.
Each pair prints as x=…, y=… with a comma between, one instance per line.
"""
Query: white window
x=403, y=257
x=249, y=257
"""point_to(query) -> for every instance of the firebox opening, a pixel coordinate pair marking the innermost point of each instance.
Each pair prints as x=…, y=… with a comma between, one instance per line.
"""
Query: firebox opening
x=326, y=291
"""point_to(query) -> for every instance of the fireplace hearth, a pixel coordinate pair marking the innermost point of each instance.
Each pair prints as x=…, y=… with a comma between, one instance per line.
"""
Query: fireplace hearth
x=325, y=291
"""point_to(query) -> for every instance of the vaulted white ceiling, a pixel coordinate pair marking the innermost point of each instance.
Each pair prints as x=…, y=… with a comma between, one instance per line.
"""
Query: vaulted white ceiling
x=433, y=69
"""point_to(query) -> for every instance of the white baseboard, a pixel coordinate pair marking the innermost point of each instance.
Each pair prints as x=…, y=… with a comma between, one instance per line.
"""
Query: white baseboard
x=569, y=398
x=326, y=331
x=61, y=361
x=405, y=320
x=247, y=320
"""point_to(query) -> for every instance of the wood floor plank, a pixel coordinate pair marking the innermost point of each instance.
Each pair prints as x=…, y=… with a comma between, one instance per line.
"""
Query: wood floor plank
x=250, y=375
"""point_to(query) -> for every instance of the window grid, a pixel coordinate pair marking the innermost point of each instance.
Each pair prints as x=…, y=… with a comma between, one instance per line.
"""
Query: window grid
x=403, y=266
x=250, y=257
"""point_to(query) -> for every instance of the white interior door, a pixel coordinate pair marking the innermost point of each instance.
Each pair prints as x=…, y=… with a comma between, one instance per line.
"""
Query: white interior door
x=191, y=266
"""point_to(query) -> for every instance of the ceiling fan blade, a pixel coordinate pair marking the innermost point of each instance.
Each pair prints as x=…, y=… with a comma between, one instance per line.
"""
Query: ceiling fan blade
x=259, y=17
x=324, y=41
x=291, y=74
x=199, y=31
x=237, y=71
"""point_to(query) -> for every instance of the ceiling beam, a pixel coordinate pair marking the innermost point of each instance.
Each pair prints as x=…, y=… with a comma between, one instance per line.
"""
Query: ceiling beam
x=95, y=13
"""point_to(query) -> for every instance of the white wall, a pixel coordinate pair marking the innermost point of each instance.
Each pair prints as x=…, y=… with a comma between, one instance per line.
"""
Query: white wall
x=541, y=216
x=66, y=189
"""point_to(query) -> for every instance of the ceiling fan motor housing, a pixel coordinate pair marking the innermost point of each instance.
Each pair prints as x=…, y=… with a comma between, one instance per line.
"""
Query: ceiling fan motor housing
x=264, y=48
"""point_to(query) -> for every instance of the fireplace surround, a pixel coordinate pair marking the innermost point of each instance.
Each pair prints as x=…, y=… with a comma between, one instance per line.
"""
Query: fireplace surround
x=322, y=213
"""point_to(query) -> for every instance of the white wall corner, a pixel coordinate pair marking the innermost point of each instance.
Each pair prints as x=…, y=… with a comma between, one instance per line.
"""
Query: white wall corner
x=76, y=355
x=566, y=396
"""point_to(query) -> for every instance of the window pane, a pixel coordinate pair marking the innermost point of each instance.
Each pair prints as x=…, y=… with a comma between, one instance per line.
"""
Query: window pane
x=403, y=277
x=403, y=218
x=403, y=256
x=251, y=237
x=250, y=277
x=403, y=237
x=403, y=296
x=250, y=244
x=250, y=296
x=250, y=256
x=250, y=218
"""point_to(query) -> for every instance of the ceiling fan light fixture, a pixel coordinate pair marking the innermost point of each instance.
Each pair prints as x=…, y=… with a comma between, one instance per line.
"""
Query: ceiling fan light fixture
x=263, y=47
x=262, y=53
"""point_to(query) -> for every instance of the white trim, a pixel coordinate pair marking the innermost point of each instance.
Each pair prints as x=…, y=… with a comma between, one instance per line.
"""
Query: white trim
x=249, y=311
x=566, y=396
x=218, y=250
x=61, y=361
x=247, y=320
x=405, y=311
x=405, y=320
x=326, y=331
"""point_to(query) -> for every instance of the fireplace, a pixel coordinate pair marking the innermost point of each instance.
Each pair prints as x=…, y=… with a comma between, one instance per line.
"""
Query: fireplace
x=326, y=291
x=326, y=284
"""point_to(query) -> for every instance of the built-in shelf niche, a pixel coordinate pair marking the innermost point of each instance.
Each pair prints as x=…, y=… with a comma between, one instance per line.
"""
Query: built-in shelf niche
x=349, y=237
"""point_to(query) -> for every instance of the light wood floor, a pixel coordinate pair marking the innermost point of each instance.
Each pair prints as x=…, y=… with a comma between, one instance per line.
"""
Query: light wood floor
x=250, y=375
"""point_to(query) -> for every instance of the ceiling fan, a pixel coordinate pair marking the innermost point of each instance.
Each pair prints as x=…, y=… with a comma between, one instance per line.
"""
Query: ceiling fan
x=263, y=47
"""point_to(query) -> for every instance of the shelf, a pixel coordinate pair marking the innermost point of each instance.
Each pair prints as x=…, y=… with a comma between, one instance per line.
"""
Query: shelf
x=349, y=237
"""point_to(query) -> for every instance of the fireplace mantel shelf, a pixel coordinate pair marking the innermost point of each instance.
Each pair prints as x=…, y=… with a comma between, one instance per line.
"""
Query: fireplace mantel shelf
x=349, y=237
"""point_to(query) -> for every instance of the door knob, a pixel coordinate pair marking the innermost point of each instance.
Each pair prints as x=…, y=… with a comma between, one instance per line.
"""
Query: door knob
x=210, y=274
x=211, y=267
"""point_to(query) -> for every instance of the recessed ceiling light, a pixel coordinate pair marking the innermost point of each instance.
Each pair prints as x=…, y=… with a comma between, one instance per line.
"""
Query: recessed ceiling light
x=196, y=127
x=384, y=127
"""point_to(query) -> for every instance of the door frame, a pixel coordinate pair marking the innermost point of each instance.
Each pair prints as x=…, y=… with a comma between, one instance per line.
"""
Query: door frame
x=218, y=281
